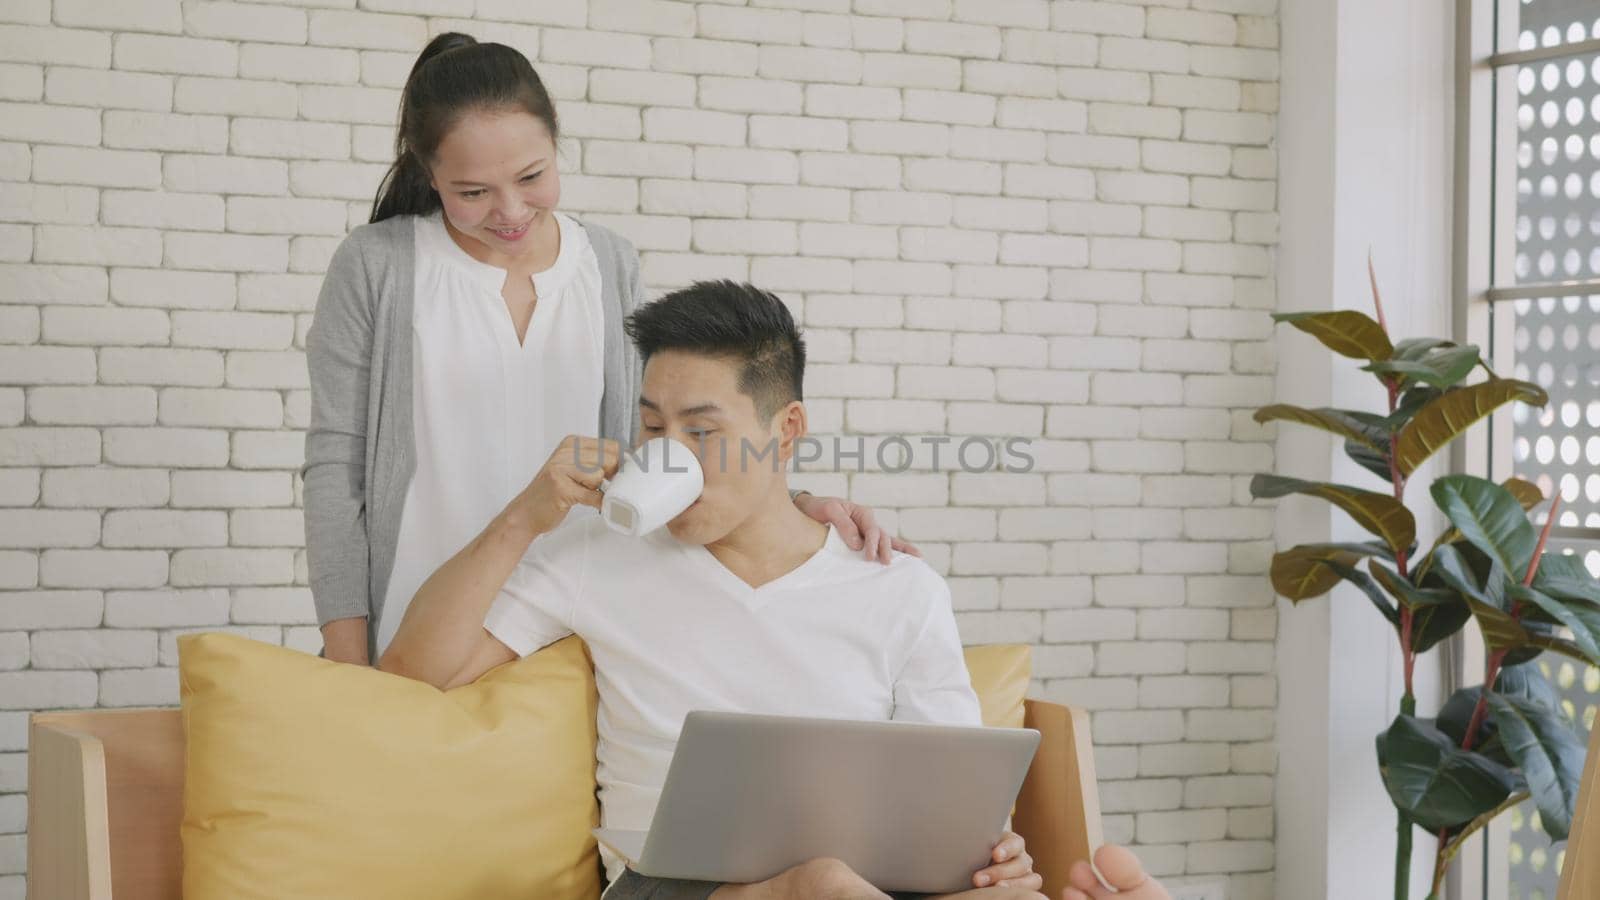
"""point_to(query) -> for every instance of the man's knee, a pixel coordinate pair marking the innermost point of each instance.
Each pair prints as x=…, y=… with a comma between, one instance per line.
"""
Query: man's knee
x=826, y=878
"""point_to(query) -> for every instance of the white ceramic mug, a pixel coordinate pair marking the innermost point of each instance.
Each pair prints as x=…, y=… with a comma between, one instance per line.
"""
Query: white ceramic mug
x=654, y=483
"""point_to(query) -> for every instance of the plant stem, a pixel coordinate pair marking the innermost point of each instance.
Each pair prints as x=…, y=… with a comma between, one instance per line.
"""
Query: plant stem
x=1408, y=701
x=1480, y=711
x=1440, y=864
x=1402, y=845
x=1402, y=554
x=1402, y=858
x=1405, y=643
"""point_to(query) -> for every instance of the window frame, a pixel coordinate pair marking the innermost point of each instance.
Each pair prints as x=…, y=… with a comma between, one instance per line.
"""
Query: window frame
x=1485, y=203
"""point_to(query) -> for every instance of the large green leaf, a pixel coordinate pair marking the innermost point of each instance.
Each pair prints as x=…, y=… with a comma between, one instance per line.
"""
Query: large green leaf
x=1442, y=367
x=1374, y=455
x=1436, y=783
x=1417, y=348
x=1411, y=402
x=1541, y=642
x=1451, y=566
x=1345, y=332
x=1369, y=459
x=1490, y=518
x=1409, y=595
x=1380, y=514
x=1527, y=494
x=1561, y=566
x=1367, y=548
x=1456, y=714
x=1580, y=618
x=1487, y=572
x=1528, y=683
x=1453, y=412
x=1436, y=612
x=1302, y=572
x=1432, y=624
x=1370, y=588
x=1550, y=753
x=1524, y=682
x=1540, y=634
x=1565, y=577
x=1337, y=421
x=1500, y=630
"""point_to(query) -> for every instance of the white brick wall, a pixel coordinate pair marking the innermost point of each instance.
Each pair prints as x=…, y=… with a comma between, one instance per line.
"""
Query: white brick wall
x=1050, y=219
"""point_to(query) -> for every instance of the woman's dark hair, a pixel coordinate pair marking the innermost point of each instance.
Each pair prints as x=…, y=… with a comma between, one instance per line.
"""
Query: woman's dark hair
x=735, y=321
x=452, y=76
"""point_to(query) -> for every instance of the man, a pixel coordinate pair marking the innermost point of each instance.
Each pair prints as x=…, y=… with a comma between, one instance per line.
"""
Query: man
x=741, y=603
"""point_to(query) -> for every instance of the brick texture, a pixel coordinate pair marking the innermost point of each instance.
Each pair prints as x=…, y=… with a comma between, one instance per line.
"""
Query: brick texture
x=1043, y=220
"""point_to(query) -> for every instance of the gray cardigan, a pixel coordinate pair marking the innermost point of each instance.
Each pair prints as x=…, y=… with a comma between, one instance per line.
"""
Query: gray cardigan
x=360, y=451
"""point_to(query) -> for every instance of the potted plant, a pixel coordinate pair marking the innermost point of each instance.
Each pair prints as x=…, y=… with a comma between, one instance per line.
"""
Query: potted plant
x=1490, y=746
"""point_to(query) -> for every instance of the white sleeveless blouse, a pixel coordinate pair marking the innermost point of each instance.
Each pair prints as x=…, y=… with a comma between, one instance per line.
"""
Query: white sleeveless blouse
x=489, y=411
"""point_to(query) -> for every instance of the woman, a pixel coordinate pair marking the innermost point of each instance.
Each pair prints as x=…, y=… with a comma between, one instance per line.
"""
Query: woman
x=459, y=336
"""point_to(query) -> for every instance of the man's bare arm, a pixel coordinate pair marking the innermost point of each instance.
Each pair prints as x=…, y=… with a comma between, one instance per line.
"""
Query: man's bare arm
x=441, y=638
x=442, y=630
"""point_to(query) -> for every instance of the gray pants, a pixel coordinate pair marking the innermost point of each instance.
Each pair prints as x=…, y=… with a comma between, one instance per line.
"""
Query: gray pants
x=633, y=886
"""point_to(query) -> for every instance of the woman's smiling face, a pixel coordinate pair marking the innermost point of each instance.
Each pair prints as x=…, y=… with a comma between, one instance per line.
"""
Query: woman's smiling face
x=497, y=178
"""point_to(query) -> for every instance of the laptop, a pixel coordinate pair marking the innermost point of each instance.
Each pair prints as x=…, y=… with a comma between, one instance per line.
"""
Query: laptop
x=909, y=806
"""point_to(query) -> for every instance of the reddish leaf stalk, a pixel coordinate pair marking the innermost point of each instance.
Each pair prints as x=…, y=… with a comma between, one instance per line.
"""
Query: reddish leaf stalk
x=1439, y=863
x=1405, y=645
x=1480, y=711
x=1544, y=537
x=1377, y=301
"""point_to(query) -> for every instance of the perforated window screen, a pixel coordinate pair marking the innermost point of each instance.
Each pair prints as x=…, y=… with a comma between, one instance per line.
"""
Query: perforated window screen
x=1556, y=338
x=1558, y=447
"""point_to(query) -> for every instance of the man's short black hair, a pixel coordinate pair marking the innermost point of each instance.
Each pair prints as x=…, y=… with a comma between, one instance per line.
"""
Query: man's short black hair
x=737, y=321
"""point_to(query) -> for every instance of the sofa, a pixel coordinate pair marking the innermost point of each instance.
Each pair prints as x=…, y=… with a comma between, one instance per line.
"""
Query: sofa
x=106, y=798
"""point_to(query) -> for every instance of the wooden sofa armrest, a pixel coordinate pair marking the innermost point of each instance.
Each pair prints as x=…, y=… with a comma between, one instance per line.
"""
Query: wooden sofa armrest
x=105, y=797
x=69, y=835
x=1058, y=808
x=1580, y=877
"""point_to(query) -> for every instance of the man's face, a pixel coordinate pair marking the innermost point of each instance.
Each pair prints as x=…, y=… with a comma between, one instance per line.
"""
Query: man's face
x=696, y=401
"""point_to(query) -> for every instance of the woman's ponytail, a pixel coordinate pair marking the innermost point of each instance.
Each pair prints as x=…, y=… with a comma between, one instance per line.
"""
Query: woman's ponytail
x=454, y=74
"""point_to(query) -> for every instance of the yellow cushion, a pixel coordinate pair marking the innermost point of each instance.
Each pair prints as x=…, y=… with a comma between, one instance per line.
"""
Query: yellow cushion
x=312, y=779
x=1000, y=674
